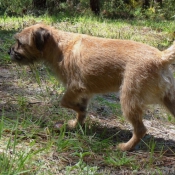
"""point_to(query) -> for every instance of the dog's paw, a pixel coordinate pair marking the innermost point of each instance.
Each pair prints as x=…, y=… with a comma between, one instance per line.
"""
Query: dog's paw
x=124, y=147
x=71, y=124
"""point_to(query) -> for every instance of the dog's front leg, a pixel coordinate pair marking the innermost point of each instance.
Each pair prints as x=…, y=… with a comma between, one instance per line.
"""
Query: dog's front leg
x=77, y=101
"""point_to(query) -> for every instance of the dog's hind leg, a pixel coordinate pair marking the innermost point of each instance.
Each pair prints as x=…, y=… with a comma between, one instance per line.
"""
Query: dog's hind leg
x=169, y=102
x=77, y=101
x=133, y=110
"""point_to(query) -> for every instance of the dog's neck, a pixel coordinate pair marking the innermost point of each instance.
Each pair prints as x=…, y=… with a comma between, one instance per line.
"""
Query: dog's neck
x=59, y=43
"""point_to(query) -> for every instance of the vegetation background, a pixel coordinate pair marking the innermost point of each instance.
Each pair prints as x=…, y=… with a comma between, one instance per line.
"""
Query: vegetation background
x=30, y=96
x=159, y=9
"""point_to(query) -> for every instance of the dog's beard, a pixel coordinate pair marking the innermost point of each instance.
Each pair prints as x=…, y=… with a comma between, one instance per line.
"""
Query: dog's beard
x=21, y=59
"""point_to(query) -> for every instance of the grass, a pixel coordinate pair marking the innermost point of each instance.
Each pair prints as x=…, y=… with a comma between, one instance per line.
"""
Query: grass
x=29, y=108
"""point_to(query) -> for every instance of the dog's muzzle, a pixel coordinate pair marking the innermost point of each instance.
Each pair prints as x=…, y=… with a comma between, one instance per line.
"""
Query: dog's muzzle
x=15, y=56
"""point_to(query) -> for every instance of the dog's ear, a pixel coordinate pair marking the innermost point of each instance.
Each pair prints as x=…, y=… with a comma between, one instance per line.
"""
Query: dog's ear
x=41, y=35
x=22, y=39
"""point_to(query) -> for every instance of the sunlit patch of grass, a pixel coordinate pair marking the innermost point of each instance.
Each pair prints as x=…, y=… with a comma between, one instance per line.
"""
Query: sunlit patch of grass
x=81, y=167
x=119, y=159
x=14, y=157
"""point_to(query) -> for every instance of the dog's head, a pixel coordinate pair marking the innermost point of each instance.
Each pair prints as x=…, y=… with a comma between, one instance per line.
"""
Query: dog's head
x=30, y=44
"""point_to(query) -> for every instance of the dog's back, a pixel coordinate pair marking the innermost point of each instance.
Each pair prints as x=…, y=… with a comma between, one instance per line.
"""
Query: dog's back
x=102, y=64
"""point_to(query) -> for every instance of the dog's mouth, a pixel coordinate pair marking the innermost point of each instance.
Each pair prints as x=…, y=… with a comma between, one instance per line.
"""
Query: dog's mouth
x=17, y=57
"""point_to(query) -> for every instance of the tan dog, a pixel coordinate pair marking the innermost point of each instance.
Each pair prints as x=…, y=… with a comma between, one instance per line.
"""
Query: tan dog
x=89, y=65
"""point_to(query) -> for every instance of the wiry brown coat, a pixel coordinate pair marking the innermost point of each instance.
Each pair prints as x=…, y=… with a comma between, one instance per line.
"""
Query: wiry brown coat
x=89, y=65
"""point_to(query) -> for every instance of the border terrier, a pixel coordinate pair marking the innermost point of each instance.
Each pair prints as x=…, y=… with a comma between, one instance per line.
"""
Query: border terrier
x=88, y=65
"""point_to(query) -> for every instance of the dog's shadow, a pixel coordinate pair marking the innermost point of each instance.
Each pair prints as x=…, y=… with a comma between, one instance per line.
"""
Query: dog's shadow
x=116, y=134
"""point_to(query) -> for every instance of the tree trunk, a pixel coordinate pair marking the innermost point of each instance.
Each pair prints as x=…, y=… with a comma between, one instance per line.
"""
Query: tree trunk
x=146, y=3
x=39, y=4
x=95, y=6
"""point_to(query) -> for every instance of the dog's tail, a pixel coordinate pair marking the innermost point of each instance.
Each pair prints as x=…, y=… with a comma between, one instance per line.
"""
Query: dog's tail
x=169, y=55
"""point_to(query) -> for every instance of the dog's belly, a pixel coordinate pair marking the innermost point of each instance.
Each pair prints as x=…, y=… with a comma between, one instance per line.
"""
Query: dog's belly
x=103, y=83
